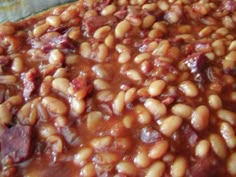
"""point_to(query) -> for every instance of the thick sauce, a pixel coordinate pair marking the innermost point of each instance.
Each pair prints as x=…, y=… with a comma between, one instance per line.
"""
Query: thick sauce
x=120, y=88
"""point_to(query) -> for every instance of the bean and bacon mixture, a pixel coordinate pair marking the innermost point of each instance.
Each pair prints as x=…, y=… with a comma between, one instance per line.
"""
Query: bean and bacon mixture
x=120, y=88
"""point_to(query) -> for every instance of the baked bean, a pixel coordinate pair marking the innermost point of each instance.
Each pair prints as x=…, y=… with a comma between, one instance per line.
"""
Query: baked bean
x=227, y=132
x=148, y=21
x=231, y=164
x=157, y=169
x=233, y=96
x=102, y=53
x=188, y=88
x=106, y=157
x=159, y=149
x=72, y=59
x=163, y=5
x=143, y=115
x=45, y=87
x=46, y=130
x=74, y=33
x=24, y=111
x=8, y=79
x=170, y=125
x=100, y=71
x=61, y=85
x=105, y=96
x=40, y=30
x=232, y=45
x=126, y=168
x=227, y=116
x=162, y=48
x=222, y=31
x=56, y=57
x=122, y=28
x=156, y=108
x=17, y=65
x=141, y=159
x=124, y=57
x=88, y=170
x=110, y=41
x=54, y=20
x=202, y=148
x=54, y=105
x=200, y=118
x=120, y=48
x=149, y=7
x=231, y=56
x=179, y=167
x=100, y=84
x=182, y=110
x=78, y=105
x=119, y=103
x=42, y=112
x=5, y=116
x=60, y=73
x=90, y=13
x=60, y=121
x=108, y=10
x=219, y=47
x=142, y=57
x=102, y=32
x=218, y=145
x=134, y=75
x=83, y=155
x=85, y=49
x=214, y=101
x=14, y=101
x=156, y=87
x=68, y=14
x=56, y=143
x=128, y=121
x=101, y=142
x=133, y=20
x=130, y=95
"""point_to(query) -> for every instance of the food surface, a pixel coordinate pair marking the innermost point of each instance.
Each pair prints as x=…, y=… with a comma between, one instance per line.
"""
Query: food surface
x=120, y=88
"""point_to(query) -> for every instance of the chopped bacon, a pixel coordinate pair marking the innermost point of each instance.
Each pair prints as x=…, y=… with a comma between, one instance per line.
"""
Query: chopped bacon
x=168, y=67
x=29, y=82
x=61, y=42
x=150, y=135
x=196, y=62
x=190, y=135
x=121, y=14
x=95, y=22
x=47, y=42
x=16, y=143
x=81, y=83
x=206, y=167
x=4, y=60
x=229, y=5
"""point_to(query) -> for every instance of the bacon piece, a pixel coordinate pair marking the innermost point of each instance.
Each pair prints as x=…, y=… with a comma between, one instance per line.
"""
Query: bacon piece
x=16, y=142
x=4, y=60
x=95, y=22
x=81, y=83
x=29, y=83
x=229, y=5
x=150, y=135
x=121, y=14
x=206, y=167
x=196, y=62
